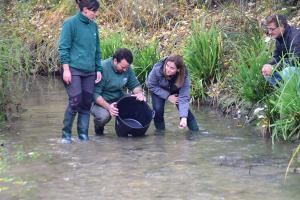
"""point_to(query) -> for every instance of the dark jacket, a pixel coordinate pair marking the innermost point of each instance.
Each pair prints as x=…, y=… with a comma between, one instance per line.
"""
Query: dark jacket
x=287, y=46
x=162, y=87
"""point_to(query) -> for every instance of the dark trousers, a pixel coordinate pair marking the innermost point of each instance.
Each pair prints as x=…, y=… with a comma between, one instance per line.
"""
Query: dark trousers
x=80, y=93
x=159, y=108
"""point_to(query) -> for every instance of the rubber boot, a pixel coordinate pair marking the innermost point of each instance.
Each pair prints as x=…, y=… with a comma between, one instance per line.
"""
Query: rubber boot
x=160, y=127
x=67, y=128
x=192, y=125
x=99, y=130
x=83, y=126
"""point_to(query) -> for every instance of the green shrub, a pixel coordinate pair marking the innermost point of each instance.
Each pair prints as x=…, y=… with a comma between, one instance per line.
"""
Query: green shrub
x=287, y=109
x=197, y=90
x=15, y=60
x=202, y=51
x=202, y=55
x=251, y=56
x=144, y=59
x=110, y=44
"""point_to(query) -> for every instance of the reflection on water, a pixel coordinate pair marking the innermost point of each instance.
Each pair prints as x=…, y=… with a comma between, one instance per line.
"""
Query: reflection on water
x=222, y=162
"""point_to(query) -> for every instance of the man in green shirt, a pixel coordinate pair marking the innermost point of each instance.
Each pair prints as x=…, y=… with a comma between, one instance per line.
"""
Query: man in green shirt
x=116, y=76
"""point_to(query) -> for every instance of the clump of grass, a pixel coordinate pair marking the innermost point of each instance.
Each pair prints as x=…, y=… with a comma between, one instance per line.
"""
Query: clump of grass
x=15, y=60
x=202, y=51
x=197, y=90
x=46, y=58
x=287, y=109
x=144, y=59
x=15, y=56
x=202, y=54
x=110, y=43
x=251, y=84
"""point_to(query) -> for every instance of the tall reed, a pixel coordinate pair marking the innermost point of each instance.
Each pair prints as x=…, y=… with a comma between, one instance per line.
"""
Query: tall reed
x=15, y=60
x=110, y=43
x=293, y=158
x=287, y=107
x=251, y=56
x=202, y=54
x=144, y=59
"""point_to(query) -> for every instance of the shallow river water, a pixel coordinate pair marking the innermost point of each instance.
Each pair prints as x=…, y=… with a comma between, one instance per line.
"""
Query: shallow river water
x=221, y=162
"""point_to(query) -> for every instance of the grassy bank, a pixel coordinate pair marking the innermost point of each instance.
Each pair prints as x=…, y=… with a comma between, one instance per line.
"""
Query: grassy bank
x=223, y=45
x=15, y=64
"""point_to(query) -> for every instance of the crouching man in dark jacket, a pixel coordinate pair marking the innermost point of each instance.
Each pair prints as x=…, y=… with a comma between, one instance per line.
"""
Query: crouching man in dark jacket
x=287, y=50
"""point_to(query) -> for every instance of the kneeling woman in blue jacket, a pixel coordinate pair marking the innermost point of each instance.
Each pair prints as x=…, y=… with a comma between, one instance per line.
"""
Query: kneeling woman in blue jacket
x=169, y=80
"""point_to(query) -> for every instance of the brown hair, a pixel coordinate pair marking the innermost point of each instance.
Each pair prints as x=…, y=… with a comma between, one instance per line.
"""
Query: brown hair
x=178, y=61
x=278, y=19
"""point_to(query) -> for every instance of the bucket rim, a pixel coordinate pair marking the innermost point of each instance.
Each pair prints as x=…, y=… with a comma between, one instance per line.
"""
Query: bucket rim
x=121, y=119
x=125, y=97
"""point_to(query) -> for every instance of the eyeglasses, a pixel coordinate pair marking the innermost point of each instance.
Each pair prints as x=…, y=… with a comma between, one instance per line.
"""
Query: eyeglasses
x=272, y=29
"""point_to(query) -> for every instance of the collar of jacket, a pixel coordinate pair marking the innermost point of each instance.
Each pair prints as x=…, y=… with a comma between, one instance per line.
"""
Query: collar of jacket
x=83, y=18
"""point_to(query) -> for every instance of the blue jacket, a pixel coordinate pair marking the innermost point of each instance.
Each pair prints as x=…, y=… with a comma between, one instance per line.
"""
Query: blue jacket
x=287, y=46
x=159, y=85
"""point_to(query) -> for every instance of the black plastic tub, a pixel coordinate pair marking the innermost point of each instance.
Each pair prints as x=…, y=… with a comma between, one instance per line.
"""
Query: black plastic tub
x=134, y=117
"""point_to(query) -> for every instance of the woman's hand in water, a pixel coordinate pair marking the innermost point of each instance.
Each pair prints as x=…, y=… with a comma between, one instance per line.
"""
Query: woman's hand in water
x=173, y=98
x=182, y=123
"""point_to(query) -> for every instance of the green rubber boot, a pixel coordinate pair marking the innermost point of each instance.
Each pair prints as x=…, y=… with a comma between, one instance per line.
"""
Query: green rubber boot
x=67, y=128
x=160, y=128
x=99, y=130
x=83, y=126
x=193, y=125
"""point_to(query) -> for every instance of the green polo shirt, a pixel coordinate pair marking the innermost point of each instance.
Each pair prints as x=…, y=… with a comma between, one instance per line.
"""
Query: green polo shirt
x=113, y=83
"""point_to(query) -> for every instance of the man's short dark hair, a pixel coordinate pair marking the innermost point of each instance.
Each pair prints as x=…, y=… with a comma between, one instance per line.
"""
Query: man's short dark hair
x=123, y=53
x=278, y=19
x=89, y=4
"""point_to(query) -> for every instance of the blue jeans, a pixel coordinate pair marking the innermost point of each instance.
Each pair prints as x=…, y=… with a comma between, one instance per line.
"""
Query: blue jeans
x=276, y=77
